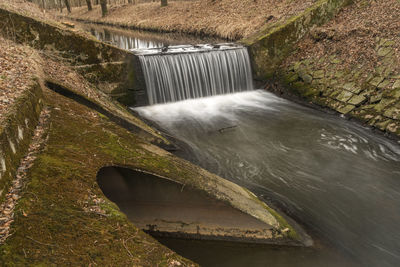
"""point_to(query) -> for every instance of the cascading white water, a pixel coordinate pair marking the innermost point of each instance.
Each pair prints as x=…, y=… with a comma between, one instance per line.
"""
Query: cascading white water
x=178, y=76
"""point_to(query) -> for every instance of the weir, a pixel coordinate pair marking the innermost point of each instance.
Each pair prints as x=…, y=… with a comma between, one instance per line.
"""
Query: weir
x=177, y=73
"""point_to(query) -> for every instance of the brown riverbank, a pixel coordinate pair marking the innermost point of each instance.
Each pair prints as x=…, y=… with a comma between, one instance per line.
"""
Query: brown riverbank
x=226, y=19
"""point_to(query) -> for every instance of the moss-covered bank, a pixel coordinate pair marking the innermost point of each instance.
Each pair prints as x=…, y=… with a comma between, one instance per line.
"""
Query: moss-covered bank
x=63, y=217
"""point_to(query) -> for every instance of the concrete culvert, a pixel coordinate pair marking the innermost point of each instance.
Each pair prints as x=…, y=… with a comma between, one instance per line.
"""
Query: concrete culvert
x=163, y=207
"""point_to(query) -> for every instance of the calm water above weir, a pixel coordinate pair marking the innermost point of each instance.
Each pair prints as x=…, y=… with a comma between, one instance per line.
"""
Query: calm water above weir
x=132, y=39
x=339, y=180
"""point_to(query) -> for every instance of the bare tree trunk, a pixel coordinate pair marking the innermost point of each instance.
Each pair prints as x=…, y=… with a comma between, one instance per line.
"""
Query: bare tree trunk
x=96, y=2
x=67, y=5
x=89, y=5
x=164, y=2
x=103, y=4
x=60, y=5
x=129, y=1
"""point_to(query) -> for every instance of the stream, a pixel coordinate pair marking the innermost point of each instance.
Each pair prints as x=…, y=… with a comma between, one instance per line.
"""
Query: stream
x=337, y=179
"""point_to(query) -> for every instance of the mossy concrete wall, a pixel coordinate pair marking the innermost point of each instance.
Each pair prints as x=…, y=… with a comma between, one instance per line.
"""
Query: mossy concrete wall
x=113, y=70
x=16, y=132
x=271, y=45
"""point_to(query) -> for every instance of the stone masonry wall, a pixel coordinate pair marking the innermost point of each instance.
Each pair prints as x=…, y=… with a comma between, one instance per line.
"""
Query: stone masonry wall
x=16, y=133
x=372, y=97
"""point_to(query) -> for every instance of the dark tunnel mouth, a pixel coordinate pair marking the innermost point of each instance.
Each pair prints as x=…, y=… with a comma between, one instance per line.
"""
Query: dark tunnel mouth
x=163, y=207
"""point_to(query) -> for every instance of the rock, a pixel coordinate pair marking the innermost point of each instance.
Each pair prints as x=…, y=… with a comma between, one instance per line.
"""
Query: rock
x=344, y=96
x=357, y=100
x=339, y=74
x=393, y=112
x=352, y=88
x=346, y=109
x=376, y=81
x=368, y=117
x=375, y=98
x=389, y=43
x=305, y=77
x=383, y=51
x=382, y=125
x=319, y=74
x=383, y=104
x=335, y=61
x=396, y=84
x=396, y=93
x=392, y=127
x=292, y=77
x=384, y=84
x=296, y=66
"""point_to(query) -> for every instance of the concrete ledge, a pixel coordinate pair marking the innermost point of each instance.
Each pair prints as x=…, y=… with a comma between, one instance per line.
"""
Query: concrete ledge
x=16, y=133
x=271, y=45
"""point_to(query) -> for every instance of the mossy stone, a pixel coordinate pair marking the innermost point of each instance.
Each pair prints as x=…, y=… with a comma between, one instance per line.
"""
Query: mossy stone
x=396, y=84
x=357, y=100
x=376, y=81
x=319, y=74
x=383, y=104
x=344, y=96
x=346, y=109
x=384, y=84
x=383, y=51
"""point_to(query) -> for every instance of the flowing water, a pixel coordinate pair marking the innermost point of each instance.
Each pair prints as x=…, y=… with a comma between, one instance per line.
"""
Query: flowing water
x=338, y=179
x=196, y=72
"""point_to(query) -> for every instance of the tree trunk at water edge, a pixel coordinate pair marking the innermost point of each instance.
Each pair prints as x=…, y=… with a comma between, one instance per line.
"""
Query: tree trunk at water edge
x=89, y=5
x=68, y=6
x=103, y=4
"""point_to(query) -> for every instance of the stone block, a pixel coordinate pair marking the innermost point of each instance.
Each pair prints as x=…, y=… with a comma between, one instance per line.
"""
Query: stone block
x=319, y=74
x=382, y=125
x=383, y=51
x=396, y=84
x=346, y=109
x=344, y=96
x=385, y=102
x=384, y=84
x=393, y=112
x=357, y=100
x=376, y=81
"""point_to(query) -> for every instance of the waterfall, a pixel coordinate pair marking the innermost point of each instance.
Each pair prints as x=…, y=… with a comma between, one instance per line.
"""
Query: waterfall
x=173, y=77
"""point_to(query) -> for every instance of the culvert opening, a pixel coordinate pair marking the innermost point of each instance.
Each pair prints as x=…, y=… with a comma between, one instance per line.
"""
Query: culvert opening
x=165, y=208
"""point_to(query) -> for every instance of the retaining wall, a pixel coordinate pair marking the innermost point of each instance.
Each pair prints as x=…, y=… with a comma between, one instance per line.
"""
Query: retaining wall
x=16, y=133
